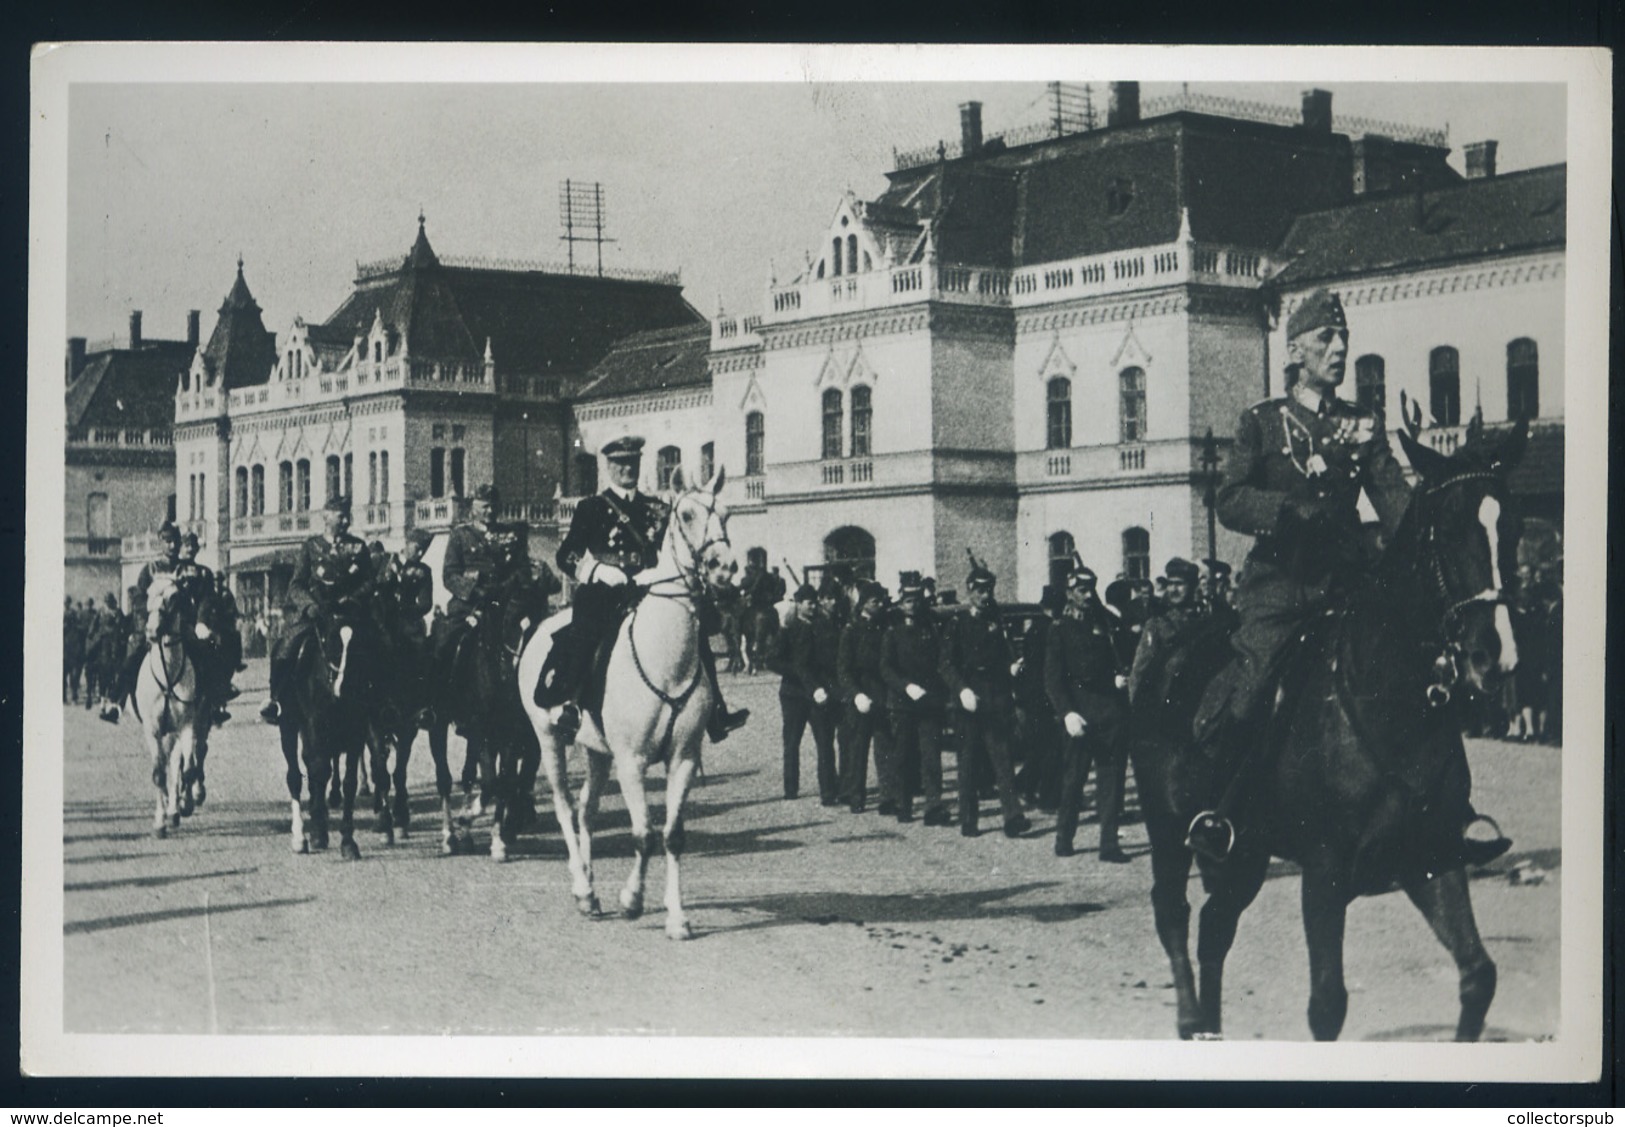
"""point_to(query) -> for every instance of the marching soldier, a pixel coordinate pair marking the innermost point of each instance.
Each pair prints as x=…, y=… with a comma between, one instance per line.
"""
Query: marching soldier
x=815, y=656
x=613, y=535
x=1039, y=780
x=1292, y=480
x=335, y=553
x=863, y=693
x=1219, y=602
x=169, y=538
x=910, y=660
x=795, y=697
x=1166, y=631
x=979, y=671
x=1082, y=674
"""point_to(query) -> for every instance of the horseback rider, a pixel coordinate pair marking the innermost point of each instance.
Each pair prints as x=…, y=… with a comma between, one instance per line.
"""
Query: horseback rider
x=211, y=624
x=1292, y=479
x=979, y=670
x=169, y=539
x=613, y=536
x=1085, y=679
x=332, y=579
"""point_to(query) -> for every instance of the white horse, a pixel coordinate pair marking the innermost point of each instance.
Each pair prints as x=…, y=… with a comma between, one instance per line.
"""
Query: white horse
x=656, y=702
x=165, y=701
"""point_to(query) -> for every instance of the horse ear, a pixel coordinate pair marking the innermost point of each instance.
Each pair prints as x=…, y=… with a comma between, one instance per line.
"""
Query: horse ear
x=1425, y=460
x=717, y=479
x=679, y=483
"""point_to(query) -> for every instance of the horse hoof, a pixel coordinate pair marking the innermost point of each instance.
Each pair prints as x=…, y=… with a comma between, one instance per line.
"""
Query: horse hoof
x=499, y=850
x=680, y=931
x=199, y=793
x=448, y=846
x=158, y=777
x=349, y=850
x=300, y=846
x=160, y=831
x=174, y=821
x=631, y=905
x=318, y=842
x=465, y=842
x=184, y=805
x=588, y=906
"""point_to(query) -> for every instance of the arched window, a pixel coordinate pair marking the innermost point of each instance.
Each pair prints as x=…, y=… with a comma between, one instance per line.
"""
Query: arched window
x=256, y=491
x=1444, y=386
x=835, y=257
x=1058, y=432
x=1523, y=379
x=755, y=440
x=372, y=478
x=666, y=463
x=335, y=477
x=1061, y=546
x=284, y=481
x=349, y=475
x=708, y=461
x=1136, y=553
x=240, y=481
x=377, y=352
x=586, y=475
x=1371, y=383
x=851, y=254
x=1131, y=384
x=832, y=423
x=302, y=484
x=852, y=548
x=862, y=421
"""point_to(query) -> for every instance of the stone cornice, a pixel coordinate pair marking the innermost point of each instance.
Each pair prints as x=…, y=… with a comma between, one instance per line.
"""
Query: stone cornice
x=644, y=404
x=972, y=321
x=850, y=494
x=1096, y=311
x=854, y=326
x=123, y=457
x=737, y=360
x=1098, y=484
x=1464, y=278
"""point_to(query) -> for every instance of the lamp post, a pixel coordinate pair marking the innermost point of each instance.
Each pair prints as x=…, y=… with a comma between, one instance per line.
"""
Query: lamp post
x=1210, y=474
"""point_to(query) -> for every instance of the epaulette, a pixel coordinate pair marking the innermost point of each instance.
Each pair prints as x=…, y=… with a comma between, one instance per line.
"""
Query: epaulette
x=1261, y=404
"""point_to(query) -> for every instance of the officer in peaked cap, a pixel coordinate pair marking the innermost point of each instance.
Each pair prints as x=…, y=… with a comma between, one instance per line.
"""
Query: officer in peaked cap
x=807, y=656
x=979, y=671
x=863, y=691
x=910, y=663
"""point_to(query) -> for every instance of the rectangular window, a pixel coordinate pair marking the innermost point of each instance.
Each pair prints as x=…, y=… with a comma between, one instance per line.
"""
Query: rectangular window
x=383, y=477
x=1444, y=386
x=862, y=421
x=1058, y=418
x=334, y=477
x=349, y=476
x=256, y=496
x=303, y=484
x=666, y=463
x=708, y=461
x=1132, y=384
x=832, y=424
x=755, y=444
x=284, y=476
x=458, y=464
x=1371, y=384
x=437, y=471
x=1523, y=380
x=372, y=478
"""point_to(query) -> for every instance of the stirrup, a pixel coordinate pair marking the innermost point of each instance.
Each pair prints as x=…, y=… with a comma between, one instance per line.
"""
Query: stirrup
x=1211, y=835
x=1481, y=851
x=723, y=722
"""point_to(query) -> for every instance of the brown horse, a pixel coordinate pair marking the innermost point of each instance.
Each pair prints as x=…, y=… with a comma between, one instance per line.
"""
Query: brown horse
x=1360, y=775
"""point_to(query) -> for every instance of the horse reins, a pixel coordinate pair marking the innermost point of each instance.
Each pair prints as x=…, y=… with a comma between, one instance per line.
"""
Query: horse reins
x=1447, y=665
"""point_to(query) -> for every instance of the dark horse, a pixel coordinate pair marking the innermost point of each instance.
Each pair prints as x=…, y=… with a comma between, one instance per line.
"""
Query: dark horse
x=391, y=728
x=1359, y=775
x=325, y=710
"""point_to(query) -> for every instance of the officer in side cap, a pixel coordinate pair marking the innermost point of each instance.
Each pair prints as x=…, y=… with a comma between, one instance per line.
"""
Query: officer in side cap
x=332, y=576
x=613, y=535
x=1085, y=676
x=1292, y=479
x=979, y=671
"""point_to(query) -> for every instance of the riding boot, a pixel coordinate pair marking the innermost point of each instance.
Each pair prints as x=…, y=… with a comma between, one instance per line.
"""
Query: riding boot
x=559, y=680
x=721, y=720
x=271, y=712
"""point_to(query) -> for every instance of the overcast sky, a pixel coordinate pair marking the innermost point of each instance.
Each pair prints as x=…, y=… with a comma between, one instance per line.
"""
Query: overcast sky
x=168, y=183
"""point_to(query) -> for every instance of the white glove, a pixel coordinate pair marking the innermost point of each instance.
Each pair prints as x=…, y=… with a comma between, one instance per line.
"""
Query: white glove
x=863, y=703
x=967, y=700
x=472, y=620
x=914, y=691
x=1120, y=681
x=591, y=570
x=820, y=696
x=1015, y=668
x=203, y=632
x=1074, y=724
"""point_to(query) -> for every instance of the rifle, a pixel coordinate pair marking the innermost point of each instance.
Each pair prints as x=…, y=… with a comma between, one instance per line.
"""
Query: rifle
x=791, y=570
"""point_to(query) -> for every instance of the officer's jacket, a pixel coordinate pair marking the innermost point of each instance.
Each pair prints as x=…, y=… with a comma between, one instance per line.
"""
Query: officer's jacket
x=912, y=654
x=347, y=564
x=1029, y=683
x=1280, y=445
x=616, y=531
x=414, y=588
x=1080, y=666
x=976, y=656
x=1161, y=633
x=781, y=659
x=468, y=568
x=859, y=660
x=816, y=654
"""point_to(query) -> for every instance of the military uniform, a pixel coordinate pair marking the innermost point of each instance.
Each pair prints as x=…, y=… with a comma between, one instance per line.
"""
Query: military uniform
x=1081, y=671
x=911, y=655
x=811, y=667
x=136, y=652
x=976, y=659
x=858, y=670
x=331, y=578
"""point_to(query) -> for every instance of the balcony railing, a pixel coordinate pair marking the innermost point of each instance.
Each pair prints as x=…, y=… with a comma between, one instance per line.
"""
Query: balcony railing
x=293, y=522
x=439, y=512
x=1058, y=465
x=1131, y=458
x=102, y=546
x=755, y=488
x=375, y=515
x=124, y=437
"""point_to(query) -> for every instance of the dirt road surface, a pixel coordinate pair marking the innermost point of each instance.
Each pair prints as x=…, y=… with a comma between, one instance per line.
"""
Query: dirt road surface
x=810, y=921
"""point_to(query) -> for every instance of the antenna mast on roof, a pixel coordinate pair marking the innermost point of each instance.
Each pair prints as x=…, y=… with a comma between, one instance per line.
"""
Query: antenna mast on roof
x=581, y=208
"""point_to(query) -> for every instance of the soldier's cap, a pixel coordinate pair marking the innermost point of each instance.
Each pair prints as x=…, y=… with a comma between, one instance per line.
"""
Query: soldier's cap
x=338, y=504
x=1319, y=309
x=830, y=589
x=628, y=448
x=1081, y=576
x=1119, y=593
x=168, y=531
x=1216, y=568
x=112, y=600
x=869, y=589
x=422, y=537
x=189, y=540
x=806, y=593
x=980, y=579
x=1181, y=571
x=376, y=547
x=910, y=588
x=487, y=493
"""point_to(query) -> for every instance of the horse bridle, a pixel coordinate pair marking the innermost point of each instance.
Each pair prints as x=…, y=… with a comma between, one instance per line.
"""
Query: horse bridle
x=1447, y=664
x=692, y=584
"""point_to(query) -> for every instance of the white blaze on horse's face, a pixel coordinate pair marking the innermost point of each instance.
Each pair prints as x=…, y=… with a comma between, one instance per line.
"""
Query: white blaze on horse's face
x=1489, y=516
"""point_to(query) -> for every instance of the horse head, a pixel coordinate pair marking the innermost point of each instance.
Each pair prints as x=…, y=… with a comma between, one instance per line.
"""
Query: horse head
x=1469, y=540
x=697, y=534
x=164, y=605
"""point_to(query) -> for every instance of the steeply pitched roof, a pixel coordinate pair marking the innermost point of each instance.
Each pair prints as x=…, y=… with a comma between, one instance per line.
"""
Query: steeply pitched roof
x=658, y=360
x=537, y=321
x=241, y=352
x=128, y=387
x=1517, y=211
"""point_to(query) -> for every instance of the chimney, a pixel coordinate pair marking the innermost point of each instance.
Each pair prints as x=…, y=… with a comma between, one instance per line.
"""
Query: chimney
x=1373, y=164
x=1480, y=160
x=1124, y=106
x=1317, y=111
x=76, y=357
x=192, y=332
x=970, y=128
x=135, y=328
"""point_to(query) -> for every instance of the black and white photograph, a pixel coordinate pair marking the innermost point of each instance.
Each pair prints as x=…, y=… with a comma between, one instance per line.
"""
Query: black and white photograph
x=905, y=562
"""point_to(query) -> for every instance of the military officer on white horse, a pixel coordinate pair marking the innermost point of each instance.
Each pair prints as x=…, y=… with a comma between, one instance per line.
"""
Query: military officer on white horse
x=613, y=536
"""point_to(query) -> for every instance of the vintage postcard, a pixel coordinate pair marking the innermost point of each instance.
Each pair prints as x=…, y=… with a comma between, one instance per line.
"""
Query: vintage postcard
x=891, y=561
